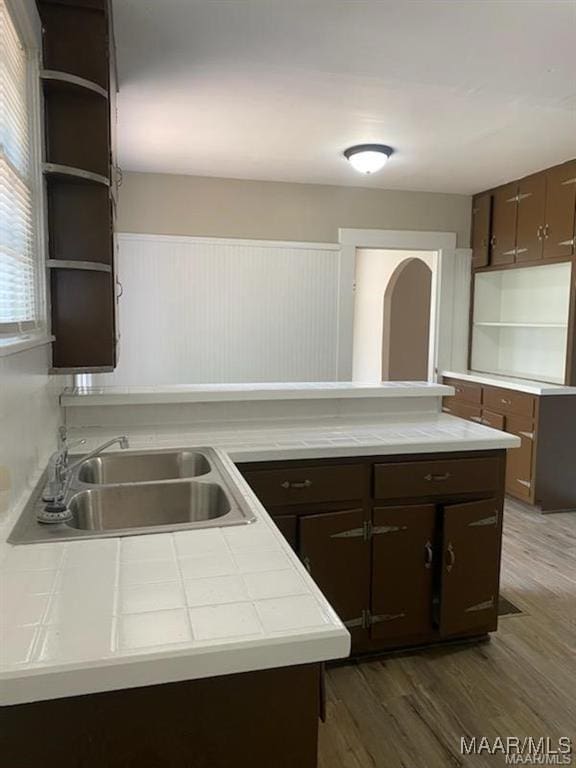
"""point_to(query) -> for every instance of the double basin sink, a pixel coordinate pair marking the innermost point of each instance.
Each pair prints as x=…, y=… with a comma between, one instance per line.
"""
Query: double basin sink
x=135, y=492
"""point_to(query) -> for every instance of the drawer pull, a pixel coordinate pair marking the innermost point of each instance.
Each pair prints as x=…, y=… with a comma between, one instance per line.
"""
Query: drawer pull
x=451, y=557
x=504, y=401
x=429, y=555
x=477, y=419
x=438, y=478
x=528, y=435
x=299, y=484
x=307, y=564
x=525, y=483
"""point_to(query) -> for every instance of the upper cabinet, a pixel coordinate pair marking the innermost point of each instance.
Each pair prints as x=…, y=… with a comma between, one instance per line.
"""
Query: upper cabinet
x=531, y=217
x=78, y=88
x=526, y=221
x=504, y=218
x=481, y=229
x=559, y=228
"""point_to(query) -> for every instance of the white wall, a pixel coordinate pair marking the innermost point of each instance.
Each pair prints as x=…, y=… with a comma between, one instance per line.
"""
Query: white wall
x=29, y=418
x=197, y=310
x=374, y=268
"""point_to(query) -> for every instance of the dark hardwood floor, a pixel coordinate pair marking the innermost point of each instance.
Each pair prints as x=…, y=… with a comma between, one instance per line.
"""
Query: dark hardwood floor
x=411, y=711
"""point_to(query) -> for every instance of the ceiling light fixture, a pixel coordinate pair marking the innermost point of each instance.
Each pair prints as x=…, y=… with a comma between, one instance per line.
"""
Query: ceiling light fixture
x=368, y=158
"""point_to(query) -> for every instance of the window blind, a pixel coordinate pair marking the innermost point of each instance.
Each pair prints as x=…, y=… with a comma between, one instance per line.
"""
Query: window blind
x=18, y=300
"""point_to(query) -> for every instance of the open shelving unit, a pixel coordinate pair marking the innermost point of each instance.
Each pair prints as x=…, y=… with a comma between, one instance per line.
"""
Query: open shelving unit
x=79, y=88
x=520, y=322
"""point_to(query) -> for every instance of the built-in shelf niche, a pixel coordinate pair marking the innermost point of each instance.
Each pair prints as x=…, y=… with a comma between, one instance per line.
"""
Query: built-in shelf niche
x=520, y=323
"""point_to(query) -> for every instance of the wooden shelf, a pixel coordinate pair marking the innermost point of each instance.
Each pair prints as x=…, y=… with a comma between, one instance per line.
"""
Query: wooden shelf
x=63, y=80
x=57, y=169
x=90, y=266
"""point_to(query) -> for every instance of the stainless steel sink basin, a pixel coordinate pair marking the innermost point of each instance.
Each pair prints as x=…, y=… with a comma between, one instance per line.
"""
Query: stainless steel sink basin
x=118, y=507
x=142, y=467
x=139, y=492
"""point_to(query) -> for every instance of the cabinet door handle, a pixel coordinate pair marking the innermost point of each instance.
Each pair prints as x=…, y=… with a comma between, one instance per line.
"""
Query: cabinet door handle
x=546, y=231
x=306, y=563
x=451, y=557
x=429, y=555
x=539, y=232
x=438, y=478
x=298, y=484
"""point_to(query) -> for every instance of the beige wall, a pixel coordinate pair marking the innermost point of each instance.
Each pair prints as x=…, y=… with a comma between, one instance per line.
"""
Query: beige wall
x=209, y=207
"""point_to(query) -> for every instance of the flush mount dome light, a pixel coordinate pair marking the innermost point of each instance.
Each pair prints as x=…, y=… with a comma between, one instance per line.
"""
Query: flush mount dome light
x=368, y=158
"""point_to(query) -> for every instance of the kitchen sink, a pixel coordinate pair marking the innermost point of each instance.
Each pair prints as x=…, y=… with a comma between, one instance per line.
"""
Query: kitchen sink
x=139, y=492
x=142, y=467
x=117, y=507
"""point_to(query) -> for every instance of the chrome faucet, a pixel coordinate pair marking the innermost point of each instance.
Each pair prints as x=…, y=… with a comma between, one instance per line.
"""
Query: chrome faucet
x=59, y=472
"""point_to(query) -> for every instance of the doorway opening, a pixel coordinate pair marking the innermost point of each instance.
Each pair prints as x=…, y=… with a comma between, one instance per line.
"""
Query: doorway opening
x=392, y=315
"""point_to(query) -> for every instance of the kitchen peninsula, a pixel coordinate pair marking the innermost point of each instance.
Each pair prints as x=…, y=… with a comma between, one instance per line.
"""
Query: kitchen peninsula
x=378, y=478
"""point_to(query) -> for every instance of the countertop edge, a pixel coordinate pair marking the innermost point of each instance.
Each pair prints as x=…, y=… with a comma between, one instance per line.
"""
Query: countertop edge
x=529, y=387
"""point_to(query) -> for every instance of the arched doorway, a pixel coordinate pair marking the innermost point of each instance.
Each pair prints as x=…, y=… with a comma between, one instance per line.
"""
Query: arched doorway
x=406, y=326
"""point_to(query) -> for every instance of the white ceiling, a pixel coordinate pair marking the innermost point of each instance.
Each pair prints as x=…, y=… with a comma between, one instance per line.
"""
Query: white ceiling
x=471, y=93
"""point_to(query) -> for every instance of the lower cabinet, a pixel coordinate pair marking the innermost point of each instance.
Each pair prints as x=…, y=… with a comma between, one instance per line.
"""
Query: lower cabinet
x=403, y=549
x=400, y=572
x=335, y=549
x=470, y=567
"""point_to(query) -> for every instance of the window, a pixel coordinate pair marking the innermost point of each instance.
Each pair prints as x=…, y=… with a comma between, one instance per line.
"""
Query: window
x=21, y=288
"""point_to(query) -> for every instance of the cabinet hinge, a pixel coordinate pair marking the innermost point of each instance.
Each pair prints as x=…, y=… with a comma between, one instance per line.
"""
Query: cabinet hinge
x=380, y=618
x=485, y=606
x=492, y=520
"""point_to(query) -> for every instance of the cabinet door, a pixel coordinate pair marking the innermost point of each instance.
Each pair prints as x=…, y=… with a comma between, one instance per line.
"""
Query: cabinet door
x=519, y=480
x=334, y=549
x=560, y=211
x=481, y=221
x=470, y=567
x=402, y=571
x=531, y=215
x=288, y=527
x=462, y=410
x=504, y=211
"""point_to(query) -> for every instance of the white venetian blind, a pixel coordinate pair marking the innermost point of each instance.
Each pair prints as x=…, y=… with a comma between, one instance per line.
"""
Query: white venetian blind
x=17, y=241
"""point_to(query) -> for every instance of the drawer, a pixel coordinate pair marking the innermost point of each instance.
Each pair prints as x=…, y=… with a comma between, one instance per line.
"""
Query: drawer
x=462, y=409
x=508, y=401
x=308, y=485
x=436, y=478
x=459, y=408
x=519, y=466
x=465, y=390
x=494, y=420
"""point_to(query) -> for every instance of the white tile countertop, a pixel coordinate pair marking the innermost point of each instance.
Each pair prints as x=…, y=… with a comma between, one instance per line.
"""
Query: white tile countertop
x=539, y=388
x=88, y=616
x=205, y=393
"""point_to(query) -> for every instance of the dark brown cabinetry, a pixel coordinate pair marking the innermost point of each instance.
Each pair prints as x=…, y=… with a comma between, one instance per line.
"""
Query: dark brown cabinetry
x=481, y=229
x=540, y=471
x=531, y=217
x=262, y=719
x=471, y=540
x=527, y=220
x=504, y=217
x=403, y=548
x=78, y=83
x=560, y=225
x=328, y=540
x=381, y=538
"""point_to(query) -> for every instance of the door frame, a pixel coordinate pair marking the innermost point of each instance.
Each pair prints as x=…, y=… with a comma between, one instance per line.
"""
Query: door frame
x=444, y=352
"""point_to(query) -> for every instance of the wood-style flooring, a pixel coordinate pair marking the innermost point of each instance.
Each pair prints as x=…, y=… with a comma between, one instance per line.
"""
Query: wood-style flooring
x=411, y=711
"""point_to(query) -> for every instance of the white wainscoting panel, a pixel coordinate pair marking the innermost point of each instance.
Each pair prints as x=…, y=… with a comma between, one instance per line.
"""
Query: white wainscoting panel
x=202, y=310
